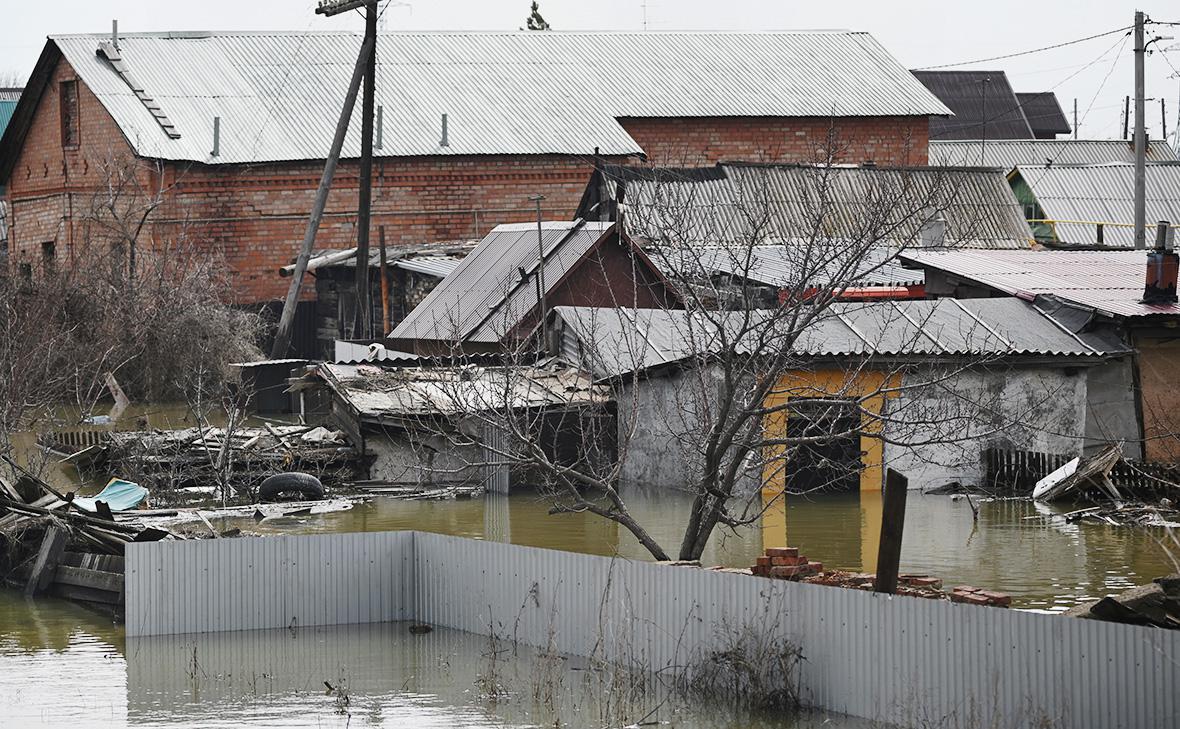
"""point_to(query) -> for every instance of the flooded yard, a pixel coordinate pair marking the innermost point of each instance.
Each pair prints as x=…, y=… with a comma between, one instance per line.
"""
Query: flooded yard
x=380, y=675
x=1043, y=564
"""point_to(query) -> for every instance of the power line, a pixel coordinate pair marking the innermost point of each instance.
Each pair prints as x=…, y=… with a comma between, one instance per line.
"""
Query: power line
x=1026, y=53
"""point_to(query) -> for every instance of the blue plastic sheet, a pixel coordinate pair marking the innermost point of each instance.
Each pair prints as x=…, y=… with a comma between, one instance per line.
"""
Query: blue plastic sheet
x=118, y=494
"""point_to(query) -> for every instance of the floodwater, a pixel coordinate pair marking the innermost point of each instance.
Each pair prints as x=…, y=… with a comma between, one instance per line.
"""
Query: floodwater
x=61, y=665
x=1044, y=564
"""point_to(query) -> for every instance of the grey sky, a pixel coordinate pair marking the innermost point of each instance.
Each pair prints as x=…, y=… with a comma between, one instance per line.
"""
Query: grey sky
x=922, y=33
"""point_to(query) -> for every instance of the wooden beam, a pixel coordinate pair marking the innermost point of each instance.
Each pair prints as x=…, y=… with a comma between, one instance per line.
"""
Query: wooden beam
x=892, y=527
x=93, y=579
x=52, y=546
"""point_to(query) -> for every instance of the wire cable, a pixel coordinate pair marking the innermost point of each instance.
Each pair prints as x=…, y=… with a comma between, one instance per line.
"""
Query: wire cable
x=1026, y=53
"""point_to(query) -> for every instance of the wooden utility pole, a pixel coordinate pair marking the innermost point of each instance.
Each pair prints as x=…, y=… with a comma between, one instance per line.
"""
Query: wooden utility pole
x=283, y=334
x=1126, y=117
x=386, y=328
x=1140, y=139
x=892, y=527
x=540, y=261
x=364, y=306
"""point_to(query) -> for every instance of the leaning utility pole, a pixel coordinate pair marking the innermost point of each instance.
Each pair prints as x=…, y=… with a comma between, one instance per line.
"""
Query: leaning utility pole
x=364, y=307
x=283, y=334
x=1140, y=139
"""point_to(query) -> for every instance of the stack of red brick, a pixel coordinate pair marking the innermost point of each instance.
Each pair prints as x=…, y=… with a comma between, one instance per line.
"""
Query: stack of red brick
x=976, y=596
x=785, y=563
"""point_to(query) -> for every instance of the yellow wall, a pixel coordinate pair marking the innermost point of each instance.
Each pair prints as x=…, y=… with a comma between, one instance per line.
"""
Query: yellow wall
x=832, y=383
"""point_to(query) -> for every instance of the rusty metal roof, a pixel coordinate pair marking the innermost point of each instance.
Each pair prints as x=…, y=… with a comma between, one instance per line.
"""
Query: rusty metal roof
x=279, y=94
x=1107, y=282
x=610, y=342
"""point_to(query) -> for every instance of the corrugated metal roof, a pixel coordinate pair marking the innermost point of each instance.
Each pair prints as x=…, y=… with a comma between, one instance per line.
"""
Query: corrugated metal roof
x=1079, y=196
x=356, y=353
x=279, y=94
x=1044, y=114
x=764, y=203
x=611, y=342
x=437, y=266
x=983, y=103
x=492, y=290
x=1108, y=282
x=10, y=94
x=1008, y=153
x=378, y=392
x=794, y=265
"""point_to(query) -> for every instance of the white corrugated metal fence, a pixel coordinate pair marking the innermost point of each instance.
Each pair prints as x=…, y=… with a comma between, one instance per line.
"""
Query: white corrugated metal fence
x=894, y=659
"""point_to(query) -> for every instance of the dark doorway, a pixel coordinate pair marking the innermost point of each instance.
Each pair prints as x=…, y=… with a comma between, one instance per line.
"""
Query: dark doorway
x=832, y=463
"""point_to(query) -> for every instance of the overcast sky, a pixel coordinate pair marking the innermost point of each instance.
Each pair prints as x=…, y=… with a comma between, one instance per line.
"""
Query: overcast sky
x=920, y=34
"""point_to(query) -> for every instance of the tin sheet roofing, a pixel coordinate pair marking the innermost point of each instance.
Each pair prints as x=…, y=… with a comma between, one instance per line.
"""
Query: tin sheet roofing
x=1107, y=282
x=611, y=342
x=1008, y=153
x=278, y=94
x=1044, y=114
x=492, y=290
x=794, y=265
x=1078, y=197
x=798, y=202
x=381, y=392
x=984, y=105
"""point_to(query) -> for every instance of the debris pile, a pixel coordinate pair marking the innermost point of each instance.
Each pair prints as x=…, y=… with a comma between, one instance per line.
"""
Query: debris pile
x=1156, y=604
x=50, y=544
x=243, y=457
x=785, y=563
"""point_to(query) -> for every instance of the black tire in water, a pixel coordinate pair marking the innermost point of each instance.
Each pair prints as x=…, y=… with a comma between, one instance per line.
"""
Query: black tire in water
x=304, y=485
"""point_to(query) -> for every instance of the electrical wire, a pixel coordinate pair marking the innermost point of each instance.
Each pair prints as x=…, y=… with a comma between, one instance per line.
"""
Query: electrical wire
x=1028, y=52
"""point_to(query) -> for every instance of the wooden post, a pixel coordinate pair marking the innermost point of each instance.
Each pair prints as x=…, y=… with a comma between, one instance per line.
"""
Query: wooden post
x=892, y=526
x=283, y=335
x=52, y=546
x=364, y=302
x=386, y=329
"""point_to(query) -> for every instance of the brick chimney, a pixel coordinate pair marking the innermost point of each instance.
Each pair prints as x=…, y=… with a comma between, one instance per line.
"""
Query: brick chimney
x=1162, y=264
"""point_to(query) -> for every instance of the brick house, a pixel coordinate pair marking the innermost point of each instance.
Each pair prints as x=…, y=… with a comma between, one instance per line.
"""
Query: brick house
x=527, y=113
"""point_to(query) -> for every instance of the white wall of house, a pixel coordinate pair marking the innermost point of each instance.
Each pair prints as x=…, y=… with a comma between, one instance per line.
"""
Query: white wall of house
x=943, y=429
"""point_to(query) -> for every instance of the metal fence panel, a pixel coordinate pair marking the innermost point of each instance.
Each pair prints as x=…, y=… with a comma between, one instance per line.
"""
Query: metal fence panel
x=895, y=659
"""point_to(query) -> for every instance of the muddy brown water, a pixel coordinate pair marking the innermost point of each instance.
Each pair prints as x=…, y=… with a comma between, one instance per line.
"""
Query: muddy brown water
x=60, y=664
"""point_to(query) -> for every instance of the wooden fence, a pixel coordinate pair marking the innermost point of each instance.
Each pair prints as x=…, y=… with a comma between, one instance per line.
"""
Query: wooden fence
x=1017, y=472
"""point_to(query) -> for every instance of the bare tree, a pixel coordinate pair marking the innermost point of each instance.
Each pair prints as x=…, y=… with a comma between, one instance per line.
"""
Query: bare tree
x=762, y=387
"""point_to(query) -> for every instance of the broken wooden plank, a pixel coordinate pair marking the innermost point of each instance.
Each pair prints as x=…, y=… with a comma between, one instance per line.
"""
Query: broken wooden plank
x=53, y=544
x=93, y=579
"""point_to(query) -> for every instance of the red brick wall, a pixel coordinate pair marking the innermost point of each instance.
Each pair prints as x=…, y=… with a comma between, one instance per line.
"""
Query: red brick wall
x=687, y=142
x=255, y=215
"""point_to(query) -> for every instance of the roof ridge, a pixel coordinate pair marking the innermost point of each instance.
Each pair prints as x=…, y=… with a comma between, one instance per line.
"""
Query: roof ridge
x=202, y=34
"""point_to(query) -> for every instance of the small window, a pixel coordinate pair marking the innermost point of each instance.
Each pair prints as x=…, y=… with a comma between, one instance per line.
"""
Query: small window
x=48, y=253
x=26, y=271
x=69, y=114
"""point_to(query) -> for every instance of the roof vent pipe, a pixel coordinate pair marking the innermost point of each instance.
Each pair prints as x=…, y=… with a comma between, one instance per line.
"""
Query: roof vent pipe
x=444, y=142
x=1162, y=266
x=379, y=135
x=115, y=34
x=216, y=137
x=933, y=233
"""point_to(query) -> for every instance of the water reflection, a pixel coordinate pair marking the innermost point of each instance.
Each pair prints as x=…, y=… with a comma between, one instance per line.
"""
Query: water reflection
x=1043, y=564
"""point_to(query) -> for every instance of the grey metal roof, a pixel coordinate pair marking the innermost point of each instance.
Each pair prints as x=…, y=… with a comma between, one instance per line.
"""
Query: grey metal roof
x=793, y=265
x=278, y=94
x=764, y=203
x=1008, y=153
x=437, y=266
x=1044, y=114
x=610, y=342
x=357, y=353
x=1080, y=196
x=1107, y=282
x=381, y=393
x=492, y=290
x=436, y=258
x=983, y=102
